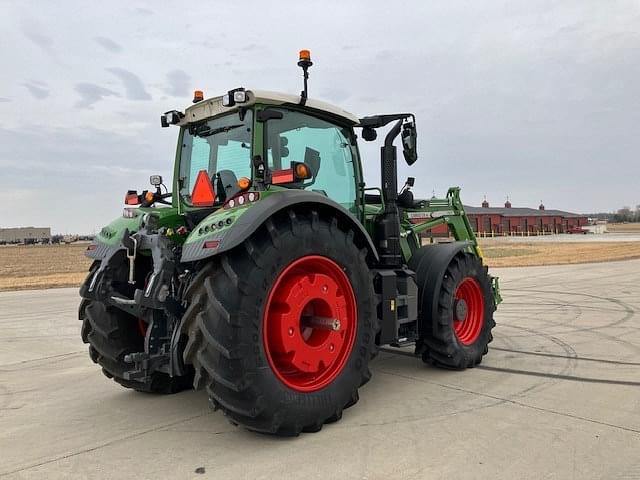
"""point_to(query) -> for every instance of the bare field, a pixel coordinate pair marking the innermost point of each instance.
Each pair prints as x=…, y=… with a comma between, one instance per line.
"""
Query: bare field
x=623, y=227
x=499, y=254
x=42, y=266
x=49, y=266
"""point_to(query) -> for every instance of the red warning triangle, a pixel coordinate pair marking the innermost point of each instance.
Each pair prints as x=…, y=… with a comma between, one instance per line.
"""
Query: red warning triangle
x=203, y=194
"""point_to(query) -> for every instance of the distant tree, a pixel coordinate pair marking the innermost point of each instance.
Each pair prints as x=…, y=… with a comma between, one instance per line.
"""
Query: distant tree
x=624, y=215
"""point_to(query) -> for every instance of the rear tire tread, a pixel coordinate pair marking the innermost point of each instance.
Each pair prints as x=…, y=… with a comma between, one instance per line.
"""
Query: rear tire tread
x=214, y=346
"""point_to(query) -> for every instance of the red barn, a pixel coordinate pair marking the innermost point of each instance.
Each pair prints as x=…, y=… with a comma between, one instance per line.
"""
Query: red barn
x=508, y=220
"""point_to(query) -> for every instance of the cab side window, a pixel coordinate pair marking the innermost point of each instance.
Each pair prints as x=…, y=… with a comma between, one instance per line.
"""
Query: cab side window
x=323, y=146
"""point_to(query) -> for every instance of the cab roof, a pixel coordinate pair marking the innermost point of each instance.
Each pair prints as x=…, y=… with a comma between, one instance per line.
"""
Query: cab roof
x=210, y=107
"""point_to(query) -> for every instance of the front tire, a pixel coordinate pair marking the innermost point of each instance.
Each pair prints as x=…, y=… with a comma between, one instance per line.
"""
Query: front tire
x=281, y=329
x=459, y=336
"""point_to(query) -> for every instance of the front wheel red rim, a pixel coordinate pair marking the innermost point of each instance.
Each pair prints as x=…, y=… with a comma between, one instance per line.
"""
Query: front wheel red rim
x=468, y=315
x=309, y=323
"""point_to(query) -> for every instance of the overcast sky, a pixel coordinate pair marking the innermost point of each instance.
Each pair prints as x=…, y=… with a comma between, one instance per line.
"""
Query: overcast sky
x=537, y=100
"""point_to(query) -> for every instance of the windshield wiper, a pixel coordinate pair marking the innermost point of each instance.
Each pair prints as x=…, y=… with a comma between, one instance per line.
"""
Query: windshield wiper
x=208, y=132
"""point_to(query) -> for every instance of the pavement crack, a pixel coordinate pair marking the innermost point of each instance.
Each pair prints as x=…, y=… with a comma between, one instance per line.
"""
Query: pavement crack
x=560, y=376
x=555, y=355
x=3, y=368
x=515, y=402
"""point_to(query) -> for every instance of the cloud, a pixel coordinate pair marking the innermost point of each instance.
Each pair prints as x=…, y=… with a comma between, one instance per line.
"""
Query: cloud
x=108, y=44
x=72, y=168
x=134, y=89
x=143, y=11
x=39, y=39
x=34, y=32
x=178, y=83
x=37, y=89
x=91, y=93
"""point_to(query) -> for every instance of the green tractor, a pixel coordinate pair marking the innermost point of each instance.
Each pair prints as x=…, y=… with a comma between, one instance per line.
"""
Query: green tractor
x=271, y=274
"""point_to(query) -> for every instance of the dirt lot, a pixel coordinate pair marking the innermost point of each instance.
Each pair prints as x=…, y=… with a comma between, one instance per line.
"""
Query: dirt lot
x=47, y=266
x=623, y=227
x=42, y=266
x=499, y=254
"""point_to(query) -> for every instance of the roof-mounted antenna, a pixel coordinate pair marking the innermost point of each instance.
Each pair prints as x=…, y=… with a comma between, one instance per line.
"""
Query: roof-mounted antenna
x=304, y=62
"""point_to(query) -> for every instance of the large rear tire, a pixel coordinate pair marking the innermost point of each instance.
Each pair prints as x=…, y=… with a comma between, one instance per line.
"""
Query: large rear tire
x=459, y=335
x=281, y=329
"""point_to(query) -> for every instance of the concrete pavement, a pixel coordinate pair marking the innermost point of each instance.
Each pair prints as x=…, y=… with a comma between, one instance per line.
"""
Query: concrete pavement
x=558, y=396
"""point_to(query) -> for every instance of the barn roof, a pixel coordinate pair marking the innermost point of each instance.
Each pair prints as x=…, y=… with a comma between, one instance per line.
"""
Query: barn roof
x=520, y=212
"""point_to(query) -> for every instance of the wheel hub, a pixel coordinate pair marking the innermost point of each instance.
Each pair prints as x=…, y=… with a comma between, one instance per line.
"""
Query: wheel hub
x=309, y=323
x=460, y=309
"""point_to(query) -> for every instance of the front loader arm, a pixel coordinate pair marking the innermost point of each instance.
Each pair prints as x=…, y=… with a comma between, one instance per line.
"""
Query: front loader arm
x=448, y=211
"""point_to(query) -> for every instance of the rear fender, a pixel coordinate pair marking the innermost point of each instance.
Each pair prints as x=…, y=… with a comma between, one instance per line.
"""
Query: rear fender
x=247, y=222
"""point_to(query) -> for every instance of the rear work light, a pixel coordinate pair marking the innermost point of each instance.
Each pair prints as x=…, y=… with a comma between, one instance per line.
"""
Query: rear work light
x=245, y=198
x=238, y=95
x=171, y=117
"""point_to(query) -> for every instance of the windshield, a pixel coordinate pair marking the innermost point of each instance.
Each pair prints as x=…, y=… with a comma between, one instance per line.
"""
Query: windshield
x=221, y=146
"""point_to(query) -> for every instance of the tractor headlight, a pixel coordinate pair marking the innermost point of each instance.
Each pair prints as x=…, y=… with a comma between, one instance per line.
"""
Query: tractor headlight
x=226, y=100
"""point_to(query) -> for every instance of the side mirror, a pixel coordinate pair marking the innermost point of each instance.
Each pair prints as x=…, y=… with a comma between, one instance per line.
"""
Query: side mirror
x=155, y=180
x=284, y=151
x=409, y=142
x=312, y=158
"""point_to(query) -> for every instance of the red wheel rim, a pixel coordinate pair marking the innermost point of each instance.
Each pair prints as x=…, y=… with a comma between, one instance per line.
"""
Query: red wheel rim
x=468, y=311
x=309, y=323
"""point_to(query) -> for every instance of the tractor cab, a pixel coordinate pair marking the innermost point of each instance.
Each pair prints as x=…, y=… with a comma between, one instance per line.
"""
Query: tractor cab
x=267, y=141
